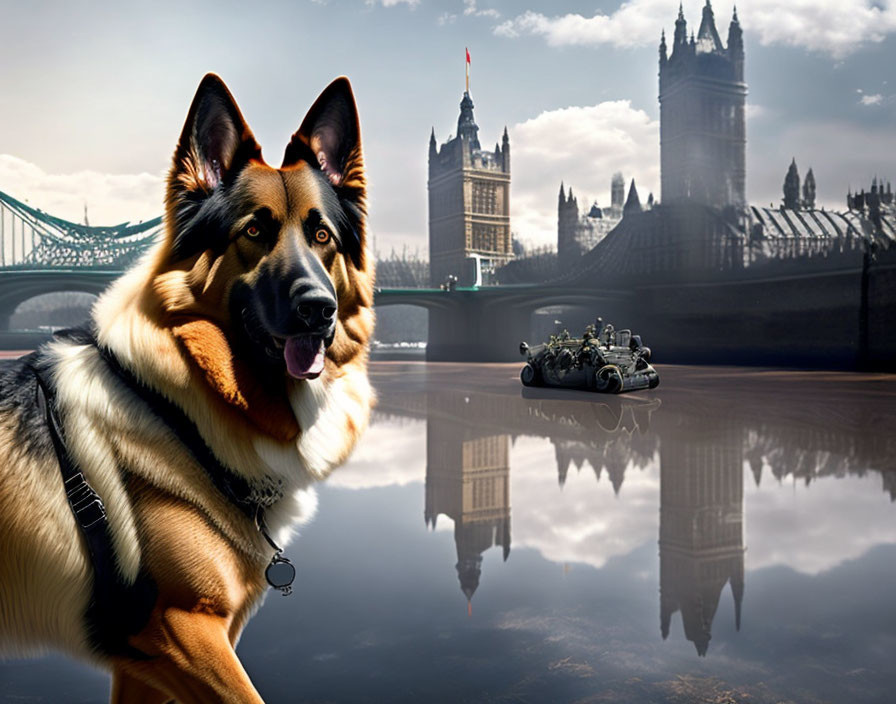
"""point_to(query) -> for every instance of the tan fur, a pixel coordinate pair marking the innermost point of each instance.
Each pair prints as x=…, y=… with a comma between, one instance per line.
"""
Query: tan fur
x=231, y=378
x=168, y=322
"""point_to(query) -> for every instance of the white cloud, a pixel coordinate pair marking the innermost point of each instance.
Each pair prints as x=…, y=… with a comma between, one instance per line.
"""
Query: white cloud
x=111, y=198
x=471, y=10
x=830, y=26
x=583, y=147
x=635, y=23
x=392, y=3
x=875, y=99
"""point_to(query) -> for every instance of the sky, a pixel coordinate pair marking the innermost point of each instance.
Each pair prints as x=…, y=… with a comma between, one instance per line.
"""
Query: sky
x=93, y=95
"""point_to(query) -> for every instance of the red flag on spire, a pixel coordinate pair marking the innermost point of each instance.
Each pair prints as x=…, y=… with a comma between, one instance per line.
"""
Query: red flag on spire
x=467, y=66
x=468, y=56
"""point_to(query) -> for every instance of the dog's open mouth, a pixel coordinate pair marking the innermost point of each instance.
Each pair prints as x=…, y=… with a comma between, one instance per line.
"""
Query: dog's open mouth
x=304, y=356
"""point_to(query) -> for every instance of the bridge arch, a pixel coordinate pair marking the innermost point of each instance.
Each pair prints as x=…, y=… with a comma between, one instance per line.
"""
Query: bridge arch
x=51, y=311
x=16, y=287
x=402, y=329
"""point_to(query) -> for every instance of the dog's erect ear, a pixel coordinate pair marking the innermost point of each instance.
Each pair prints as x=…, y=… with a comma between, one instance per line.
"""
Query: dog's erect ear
x=330, y=139
x=330, y=136
x=215, y=143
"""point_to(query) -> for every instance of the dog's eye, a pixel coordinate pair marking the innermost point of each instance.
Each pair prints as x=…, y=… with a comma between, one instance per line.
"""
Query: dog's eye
x=322, y=236
x=253, y=231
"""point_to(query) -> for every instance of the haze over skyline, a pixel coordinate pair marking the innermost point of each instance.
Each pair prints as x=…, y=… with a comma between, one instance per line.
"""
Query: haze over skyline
x=96, y=96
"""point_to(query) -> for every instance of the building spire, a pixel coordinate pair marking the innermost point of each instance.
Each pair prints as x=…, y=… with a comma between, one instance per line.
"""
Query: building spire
x=708, y=41
x=466, y=123
x=809, y=191
x=681, y=28
x=633, y=202
x=792, y=187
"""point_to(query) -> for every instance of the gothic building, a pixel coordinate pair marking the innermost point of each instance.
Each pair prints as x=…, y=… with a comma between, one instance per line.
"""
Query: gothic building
x=875, y=202
x=577, y=232
x=469, y=200
x=702, y=115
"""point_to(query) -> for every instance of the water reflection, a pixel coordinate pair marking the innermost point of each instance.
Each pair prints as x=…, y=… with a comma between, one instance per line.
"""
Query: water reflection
x=700, y=443
x=701, y=524
x=468, y=480
x=723, y=490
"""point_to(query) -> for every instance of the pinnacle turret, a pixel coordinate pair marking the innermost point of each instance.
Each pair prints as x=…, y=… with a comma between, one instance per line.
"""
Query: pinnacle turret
x=708, y=41
x=792, y=187
x=809, y=191
x=736, y=45
x=633, y=202
x=505, y=150
x=466, y=123
x=681, y=28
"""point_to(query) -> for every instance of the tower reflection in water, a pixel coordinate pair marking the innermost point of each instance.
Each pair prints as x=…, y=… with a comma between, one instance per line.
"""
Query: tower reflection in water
x=702, y=446
x=468, y=480
x=701, y=525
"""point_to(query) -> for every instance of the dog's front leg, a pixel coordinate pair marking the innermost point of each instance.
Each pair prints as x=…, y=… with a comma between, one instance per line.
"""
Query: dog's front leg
x=192, y=660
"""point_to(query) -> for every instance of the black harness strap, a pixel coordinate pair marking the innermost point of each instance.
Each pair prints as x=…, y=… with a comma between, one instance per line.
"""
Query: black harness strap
x=117, y=609
x=236, y=488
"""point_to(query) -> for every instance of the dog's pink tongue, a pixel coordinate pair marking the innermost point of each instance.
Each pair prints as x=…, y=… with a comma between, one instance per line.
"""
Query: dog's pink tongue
x=304, y=356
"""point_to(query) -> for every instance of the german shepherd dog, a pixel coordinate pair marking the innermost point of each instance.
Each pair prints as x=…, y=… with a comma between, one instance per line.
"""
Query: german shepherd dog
x=216, y=381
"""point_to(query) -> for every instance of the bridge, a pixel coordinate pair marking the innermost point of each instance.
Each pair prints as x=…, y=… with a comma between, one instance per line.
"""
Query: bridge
x=488, y=323
x=763, y=286
x=40, y=253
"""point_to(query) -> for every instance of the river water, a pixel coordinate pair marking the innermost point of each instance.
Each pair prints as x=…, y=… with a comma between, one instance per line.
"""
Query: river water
x=728, y=537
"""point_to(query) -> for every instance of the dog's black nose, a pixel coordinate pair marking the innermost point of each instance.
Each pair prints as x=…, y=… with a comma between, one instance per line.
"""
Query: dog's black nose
x=316, y=310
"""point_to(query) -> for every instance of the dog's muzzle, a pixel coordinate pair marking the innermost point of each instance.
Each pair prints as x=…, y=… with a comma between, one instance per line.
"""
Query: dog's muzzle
x=315, y=314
